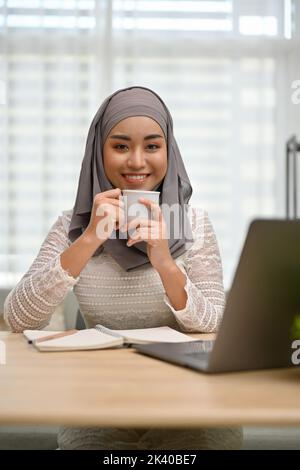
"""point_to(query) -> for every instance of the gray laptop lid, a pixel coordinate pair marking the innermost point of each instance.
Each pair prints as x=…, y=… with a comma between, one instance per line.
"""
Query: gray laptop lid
x=255, y=331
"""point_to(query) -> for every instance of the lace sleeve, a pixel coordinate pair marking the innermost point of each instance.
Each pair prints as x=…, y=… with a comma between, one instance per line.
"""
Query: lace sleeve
x=45, y=285
x=204, y=280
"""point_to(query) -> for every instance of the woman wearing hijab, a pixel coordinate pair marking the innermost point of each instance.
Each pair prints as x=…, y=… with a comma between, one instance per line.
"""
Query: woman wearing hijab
x=140, y=282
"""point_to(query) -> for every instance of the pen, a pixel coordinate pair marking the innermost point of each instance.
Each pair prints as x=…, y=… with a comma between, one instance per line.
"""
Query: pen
x=56, y=335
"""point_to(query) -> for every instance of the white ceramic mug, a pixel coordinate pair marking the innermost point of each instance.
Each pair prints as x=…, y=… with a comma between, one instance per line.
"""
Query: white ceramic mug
x=133, y=208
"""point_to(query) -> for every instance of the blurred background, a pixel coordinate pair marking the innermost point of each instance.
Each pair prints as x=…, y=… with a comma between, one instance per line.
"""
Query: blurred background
x=229, y=71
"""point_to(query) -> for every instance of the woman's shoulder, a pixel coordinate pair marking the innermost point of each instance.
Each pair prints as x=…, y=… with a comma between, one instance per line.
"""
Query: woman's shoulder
x=64, y=219
x=198, y=217
x=67, y=214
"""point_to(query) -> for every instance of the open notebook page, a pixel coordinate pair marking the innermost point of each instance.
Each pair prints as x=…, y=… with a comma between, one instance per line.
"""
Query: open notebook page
x=83, y=339
x=160, y=334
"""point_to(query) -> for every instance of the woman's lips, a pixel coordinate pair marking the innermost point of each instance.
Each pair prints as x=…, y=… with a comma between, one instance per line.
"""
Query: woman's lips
x=131, y=179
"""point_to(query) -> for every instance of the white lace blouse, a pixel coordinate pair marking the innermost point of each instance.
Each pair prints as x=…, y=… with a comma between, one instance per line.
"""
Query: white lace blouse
x=116, y=298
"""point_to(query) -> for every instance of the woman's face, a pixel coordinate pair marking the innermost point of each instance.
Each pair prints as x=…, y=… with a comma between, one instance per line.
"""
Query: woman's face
x=135, y=146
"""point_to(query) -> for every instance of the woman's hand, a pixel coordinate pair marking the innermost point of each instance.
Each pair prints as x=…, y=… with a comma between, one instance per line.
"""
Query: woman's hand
x=153, y=231
x=107, y=214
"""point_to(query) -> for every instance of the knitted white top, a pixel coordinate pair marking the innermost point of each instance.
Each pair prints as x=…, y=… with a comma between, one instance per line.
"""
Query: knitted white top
x=116, y=298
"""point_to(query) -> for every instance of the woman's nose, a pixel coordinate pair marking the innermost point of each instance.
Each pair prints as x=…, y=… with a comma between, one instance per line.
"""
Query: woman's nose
x=136, y=159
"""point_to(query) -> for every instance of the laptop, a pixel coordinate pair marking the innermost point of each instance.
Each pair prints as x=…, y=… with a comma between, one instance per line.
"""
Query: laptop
x=256, y=331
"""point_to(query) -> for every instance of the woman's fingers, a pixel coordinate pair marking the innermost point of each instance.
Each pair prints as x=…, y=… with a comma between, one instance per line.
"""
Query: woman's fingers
x=114, y=214
x=146, y=234
x=107, y=211
x=112, y=201
x=133, y=224
x=154, y=208
x=113, y=193
x=109, y=205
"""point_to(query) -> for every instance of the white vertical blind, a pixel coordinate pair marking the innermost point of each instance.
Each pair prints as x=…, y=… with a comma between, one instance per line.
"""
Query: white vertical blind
x=219, y=65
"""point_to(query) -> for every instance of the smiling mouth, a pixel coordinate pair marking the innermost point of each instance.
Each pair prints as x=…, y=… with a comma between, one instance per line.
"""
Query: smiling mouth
x=135, y=178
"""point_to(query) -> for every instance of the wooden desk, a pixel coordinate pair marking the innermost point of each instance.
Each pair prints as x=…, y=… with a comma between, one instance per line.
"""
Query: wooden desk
x=123, y=388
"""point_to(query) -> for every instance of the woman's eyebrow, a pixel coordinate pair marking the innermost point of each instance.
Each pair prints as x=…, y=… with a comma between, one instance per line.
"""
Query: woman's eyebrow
x=153, y=136
x=126, y=137
x=122, y=137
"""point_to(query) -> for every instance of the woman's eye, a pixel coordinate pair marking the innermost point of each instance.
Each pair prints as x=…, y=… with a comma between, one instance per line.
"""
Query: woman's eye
x=121, y=146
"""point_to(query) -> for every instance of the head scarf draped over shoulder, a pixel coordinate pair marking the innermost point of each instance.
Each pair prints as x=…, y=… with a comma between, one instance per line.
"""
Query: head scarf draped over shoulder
x=175, y=188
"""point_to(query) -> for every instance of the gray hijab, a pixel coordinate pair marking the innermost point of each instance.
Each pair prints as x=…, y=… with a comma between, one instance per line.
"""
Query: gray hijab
x=174, y=189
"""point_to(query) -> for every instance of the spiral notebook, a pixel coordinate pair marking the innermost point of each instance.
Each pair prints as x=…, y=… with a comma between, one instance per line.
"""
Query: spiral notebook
x=101, y=337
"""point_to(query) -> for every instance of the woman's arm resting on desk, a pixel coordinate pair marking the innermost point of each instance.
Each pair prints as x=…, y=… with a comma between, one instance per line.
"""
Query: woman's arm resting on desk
x=197, y=301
